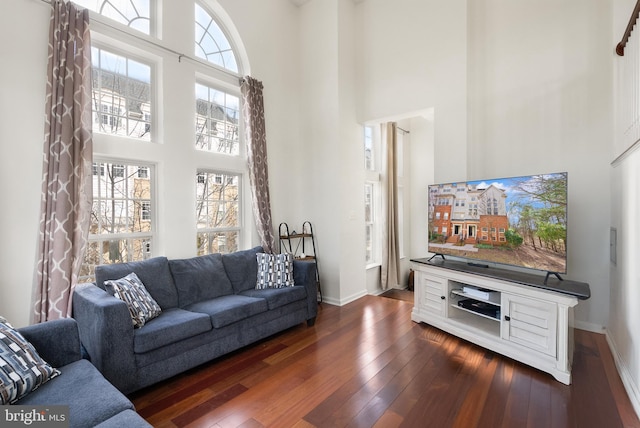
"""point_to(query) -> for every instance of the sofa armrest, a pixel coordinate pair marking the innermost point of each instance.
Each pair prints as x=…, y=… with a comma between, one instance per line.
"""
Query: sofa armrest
x=106, y=331
x=304, y=273
x=57, y=341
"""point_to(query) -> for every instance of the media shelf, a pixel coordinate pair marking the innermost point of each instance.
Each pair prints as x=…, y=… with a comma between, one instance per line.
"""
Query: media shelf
x=528, y=323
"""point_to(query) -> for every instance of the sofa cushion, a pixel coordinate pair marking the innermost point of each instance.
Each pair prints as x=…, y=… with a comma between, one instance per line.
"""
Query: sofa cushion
x=242, y=268
x=125, y=419
x=225, y=310
x=277, y=297
x=274, y=270
x=90, y=397
x=142, y=307
x=22, y=370
x=171, y=326
x=200, y=278
x=154, y=274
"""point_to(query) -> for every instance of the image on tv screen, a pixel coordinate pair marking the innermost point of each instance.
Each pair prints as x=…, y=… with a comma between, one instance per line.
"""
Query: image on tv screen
x=519, y=221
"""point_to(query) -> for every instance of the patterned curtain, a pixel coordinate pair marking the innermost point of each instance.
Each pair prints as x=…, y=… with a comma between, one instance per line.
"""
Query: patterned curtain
x=390, y=272
x=255, y=134
x=67, y=158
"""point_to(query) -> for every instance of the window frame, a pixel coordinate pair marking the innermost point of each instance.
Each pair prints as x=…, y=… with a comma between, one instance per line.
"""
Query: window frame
x=215, y=15
x=172, y=73
x=240, y=228
x=134, y=52
x=373, y=178
x=99, y=170
x=154, y=20
x=208, y=82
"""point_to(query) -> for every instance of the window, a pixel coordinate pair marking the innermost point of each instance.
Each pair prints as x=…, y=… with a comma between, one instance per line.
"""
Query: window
x=371, y=148
x=135, y=99
x=368, y=149
x=446, y=216
x=437, y=216
x=218, y=213
x=118, y=171
x=146, y=211
x=121, y=228
x=212, y=44
x=217, y=119
x=121, y=95
x=135, y=14
x=369, y=220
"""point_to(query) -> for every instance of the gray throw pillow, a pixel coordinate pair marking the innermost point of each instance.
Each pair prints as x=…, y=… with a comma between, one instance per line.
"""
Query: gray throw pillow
x=22, y=370
x=142, y=307
x=274, y=271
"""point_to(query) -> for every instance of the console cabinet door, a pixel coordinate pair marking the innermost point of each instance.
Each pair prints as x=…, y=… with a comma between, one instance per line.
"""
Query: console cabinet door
x=531, y=323
x=432, y=293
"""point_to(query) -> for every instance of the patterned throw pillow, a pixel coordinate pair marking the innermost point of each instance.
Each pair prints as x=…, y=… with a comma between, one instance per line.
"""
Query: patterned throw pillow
x=274, y=271
x=22, y=370
x=131, y=290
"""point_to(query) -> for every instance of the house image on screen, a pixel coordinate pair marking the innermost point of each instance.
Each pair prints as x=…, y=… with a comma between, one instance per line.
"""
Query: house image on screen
x=461, y=213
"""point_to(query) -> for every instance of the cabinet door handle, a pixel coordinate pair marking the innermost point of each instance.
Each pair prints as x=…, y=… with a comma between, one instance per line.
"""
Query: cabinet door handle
x=507, y=318
x=442, y=297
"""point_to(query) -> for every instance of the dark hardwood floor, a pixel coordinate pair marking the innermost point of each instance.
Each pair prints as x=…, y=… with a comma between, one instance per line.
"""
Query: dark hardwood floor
x=367, y=364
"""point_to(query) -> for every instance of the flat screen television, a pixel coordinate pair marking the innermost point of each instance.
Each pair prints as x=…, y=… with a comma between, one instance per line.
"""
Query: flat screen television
x=517, y=221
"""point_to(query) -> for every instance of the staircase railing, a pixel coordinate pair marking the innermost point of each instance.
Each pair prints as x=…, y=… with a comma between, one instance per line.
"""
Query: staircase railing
x=627, y=32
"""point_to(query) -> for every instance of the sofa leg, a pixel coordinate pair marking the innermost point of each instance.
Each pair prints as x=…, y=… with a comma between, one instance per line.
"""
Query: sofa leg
x=311, y=322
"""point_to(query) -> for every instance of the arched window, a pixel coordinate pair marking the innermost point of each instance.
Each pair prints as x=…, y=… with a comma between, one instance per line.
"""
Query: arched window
x=212, y=44
x=135, y=14
x=139, y=127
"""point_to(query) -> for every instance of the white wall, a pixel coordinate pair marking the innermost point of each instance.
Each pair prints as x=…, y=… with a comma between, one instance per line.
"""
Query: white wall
x=270, y=33
x=412, y=57
x=332, y=147
x=422, y=174
x=624, y=318
x=323, y=77
x=540, y=100
x=409, y=71
x=22, y=91
x=623, y=334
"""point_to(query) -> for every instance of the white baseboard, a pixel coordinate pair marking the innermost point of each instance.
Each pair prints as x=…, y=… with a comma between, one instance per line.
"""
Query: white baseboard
x=627, y=380
x=342, y=302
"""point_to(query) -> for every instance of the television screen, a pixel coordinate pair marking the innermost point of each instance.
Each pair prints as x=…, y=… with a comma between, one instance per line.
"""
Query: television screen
x=519, y=221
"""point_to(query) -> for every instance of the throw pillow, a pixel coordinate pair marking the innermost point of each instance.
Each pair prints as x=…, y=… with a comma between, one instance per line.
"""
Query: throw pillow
x=274, y=271
x=132, y=291
x=22, y=370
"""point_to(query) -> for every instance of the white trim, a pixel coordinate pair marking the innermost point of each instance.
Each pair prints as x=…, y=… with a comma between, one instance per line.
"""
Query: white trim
x=633, y=392
x=632, y=148
x=347, y=300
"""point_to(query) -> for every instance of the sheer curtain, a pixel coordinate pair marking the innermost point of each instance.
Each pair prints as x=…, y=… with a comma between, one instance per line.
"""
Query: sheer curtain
x=67, y=158
x=390, y=272
x=256, y=137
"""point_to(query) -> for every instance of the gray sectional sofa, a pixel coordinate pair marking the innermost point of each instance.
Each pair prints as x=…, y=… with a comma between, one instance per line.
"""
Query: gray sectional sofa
x=92, y=401
x=210, y=306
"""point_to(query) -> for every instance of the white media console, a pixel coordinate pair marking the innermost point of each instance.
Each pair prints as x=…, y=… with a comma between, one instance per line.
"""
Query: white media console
x=520, y=315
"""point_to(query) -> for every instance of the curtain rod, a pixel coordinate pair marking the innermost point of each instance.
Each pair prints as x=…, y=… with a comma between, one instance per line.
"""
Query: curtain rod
x=403, y=130
x=180, y=55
